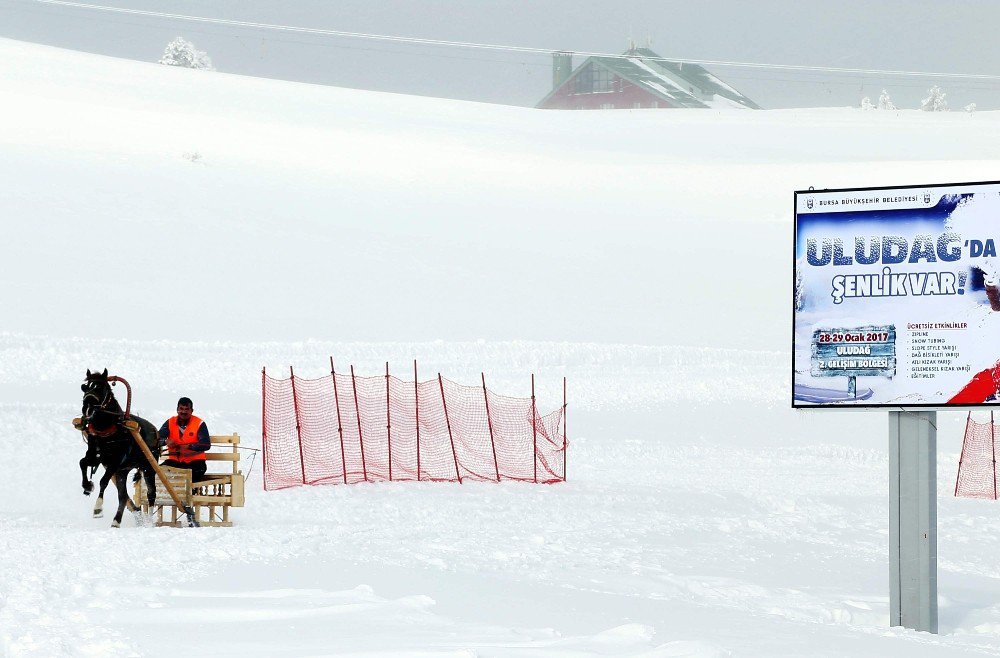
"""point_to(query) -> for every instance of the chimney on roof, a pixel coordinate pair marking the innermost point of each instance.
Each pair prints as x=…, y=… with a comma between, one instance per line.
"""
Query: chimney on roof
x=562, y=66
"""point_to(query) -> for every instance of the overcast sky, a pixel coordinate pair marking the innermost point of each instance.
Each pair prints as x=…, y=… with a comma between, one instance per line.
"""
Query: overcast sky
x=916, y=35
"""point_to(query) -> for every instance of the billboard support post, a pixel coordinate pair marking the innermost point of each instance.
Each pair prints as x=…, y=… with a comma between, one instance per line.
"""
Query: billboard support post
x=913, y=520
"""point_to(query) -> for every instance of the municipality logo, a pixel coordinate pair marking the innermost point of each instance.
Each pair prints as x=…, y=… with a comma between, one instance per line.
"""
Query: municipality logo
x=809, y=202
x=927, y=197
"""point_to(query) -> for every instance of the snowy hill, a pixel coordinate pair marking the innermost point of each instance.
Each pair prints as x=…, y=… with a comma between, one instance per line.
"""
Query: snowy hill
x=186, y=228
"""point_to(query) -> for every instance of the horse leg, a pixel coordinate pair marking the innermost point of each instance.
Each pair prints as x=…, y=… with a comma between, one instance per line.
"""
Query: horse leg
x=121, y=483
x=88, y=486
x=131, y=506
x=150, y=476
x=99, y=503
x=91, y=459
x=146, y=519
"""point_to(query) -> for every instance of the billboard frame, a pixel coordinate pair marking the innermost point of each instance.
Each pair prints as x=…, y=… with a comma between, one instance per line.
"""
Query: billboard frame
x=795, y=232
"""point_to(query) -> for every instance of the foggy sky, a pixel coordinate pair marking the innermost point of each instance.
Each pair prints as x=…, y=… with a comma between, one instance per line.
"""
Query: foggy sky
x=917, y=35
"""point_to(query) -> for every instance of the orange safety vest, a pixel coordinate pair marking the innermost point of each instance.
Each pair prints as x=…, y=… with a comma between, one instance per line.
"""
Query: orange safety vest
x=178, y=443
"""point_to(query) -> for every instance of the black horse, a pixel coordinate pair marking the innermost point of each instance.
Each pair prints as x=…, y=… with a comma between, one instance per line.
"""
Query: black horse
x=110, y=444
x=92, y=458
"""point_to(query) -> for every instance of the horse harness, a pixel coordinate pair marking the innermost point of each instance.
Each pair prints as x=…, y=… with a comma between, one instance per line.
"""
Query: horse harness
x=101, y=407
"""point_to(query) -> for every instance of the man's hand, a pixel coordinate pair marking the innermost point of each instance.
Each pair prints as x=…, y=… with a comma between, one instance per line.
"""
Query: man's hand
x=185, y=451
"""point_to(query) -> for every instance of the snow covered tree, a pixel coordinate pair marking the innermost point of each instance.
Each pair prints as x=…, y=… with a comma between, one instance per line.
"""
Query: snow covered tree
x=181, y=52
x=970, y=108
x=935, y=102
x=866, y=104
x=884, y=102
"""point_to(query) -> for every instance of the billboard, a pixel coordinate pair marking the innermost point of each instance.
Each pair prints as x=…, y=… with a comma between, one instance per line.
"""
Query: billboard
x=897, y=296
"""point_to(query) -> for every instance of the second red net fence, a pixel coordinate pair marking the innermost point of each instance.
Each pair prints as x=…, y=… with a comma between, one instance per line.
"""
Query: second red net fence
x=343, y=428
x=977, y=465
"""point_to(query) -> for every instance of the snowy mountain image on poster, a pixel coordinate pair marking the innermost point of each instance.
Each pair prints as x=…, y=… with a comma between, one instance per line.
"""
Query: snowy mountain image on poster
x=897, y=296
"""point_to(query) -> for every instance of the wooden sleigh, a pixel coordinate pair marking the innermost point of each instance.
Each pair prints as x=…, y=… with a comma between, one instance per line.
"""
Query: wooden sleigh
x=216, y=491
x=210, y=498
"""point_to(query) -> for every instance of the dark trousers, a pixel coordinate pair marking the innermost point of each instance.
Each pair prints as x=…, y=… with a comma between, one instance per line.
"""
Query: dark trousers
x=197, y=468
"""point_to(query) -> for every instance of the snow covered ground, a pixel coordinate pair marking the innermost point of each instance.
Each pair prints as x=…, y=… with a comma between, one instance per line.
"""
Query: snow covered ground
x=184, y=229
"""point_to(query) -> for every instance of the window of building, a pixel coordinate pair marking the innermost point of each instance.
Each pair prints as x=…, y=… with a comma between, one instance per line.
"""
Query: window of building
x=636, y=106
x=594, y=79
x=585, y=80
x=607, y=106
x=603, y=79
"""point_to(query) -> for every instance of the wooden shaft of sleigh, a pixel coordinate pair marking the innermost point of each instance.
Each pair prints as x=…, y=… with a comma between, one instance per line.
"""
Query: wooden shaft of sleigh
x=133, y=428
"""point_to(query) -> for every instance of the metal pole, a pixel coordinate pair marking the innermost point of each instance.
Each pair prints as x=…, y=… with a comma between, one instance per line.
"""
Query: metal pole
x=357, y=410
x=993, y=449
x=340, y=427
x=298, y=425
x=913, y=520
x=388, y=419
x=534, y=428
x=489, y=421
x=448, y=422
x=961, y=456
x=416, y=402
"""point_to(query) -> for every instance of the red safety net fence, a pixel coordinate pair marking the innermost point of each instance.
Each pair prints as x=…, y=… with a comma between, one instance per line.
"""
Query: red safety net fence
x=977, y=466
x=343, y=428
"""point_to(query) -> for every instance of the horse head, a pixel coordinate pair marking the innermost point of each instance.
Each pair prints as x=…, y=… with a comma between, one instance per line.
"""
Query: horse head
x=100, y=408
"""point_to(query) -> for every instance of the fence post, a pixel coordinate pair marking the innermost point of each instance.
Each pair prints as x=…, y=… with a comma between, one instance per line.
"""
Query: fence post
x=416, y=402
x=961, y=455
x=340, y=427
x=298, y=424
x=263, y=419
x=534, y=428
x=489, y=421
x=388, y=419
x=448, y=422
x=565, y=430
x=357, y=410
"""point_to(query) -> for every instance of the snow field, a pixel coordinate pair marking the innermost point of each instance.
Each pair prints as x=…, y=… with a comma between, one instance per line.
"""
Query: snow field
x=186, y=229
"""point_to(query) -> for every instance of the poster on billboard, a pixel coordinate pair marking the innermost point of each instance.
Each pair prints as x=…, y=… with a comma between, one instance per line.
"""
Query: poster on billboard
x=897, y=296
